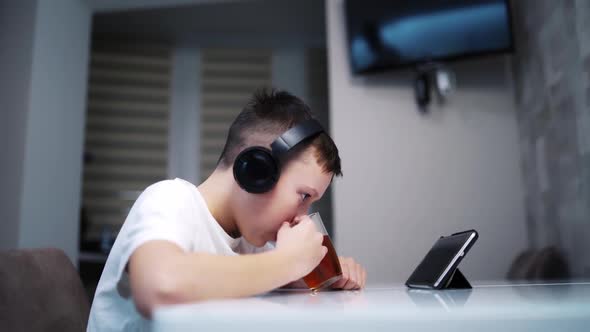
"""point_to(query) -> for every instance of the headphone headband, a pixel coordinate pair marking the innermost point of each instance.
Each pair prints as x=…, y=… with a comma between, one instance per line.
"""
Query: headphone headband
x=294, y=136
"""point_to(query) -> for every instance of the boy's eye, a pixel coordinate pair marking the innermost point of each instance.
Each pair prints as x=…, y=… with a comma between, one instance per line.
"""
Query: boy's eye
x=304, y=197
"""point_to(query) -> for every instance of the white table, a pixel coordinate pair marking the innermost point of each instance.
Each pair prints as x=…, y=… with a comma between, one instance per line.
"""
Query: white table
x=499, y=307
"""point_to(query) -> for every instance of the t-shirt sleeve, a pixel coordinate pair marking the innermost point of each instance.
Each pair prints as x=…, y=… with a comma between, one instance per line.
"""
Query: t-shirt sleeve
x=162, y=212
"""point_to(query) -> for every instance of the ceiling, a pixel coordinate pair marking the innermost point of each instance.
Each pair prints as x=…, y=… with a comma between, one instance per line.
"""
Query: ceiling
x=117, y=5
x=210, y=20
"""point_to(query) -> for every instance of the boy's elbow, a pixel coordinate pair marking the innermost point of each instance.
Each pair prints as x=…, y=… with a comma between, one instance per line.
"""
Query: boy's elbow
x=156, y=279
x=163, y=290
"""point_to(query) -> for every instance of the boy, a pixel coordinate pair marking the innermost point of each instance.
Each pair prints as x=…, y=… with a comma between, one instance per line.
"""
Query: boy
x=182, y=243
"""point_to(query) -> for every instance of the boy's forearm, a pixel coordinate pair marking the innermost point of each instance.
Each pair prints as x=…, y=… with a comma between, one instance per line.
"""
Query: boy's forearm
x=204, y=276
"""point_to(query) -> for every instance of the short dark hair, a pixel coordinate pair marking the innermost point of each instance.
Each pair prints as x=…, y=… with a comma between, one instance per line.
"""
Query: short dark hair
x=268, y=114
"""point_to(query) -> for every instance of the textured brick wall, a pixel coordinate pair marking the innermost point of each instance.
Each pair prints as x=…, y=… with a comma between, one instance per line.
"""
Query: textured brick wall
x=552, y=83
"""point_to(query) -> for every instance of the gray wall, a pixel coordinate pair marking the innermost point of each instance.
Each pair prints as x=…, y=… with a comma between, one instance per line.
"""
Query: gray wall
x=552, y=76
x=185, y=104
x=16, y=37
x=410, y=178
x=53, y=103
x=288, y=70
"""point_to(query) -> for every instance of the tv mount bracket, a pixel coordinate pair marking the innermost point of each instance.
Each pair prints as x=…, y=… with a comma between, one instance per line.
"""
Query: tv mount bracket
x=429, y=74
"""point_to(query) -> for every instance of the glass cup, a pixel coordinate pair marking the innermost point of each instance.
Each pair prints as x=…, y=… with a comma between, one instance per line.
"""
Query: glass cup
x=329, y=270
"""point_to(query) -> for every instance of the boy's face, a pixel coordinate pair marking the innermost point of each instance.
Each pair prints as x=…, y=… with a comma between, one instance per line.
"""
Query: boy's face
x=302, y=182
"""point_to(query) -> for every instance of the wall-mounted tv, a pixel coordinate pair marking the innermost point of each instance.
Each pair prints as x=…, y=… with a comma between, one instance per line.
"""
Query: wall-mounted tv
x=386, y=34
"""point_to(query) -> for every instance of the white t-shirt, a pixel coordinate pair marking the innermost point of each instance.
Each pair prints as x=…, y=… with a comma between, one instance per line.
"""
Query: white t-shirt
x=172, y=210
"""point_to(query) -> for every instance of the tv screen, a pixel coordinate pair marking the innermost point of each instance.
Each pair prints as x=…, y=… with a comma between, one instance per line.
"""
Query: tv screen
x=385, y=34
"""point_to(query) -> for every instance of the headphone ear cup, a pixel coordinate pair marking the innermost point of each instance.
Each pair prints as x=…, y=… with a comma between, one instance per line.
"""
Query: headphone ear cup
x=256, y=170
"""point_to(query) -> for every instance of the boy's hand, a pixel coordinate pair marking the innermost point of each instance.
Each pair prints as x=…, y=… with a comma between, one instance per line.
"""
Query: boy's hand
x=354, y=276
x=302, y=245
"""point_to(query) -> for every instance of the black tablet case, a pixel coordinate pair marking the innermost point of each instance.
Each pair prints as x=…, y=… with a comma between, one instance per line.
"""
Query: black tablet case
x=456, y=279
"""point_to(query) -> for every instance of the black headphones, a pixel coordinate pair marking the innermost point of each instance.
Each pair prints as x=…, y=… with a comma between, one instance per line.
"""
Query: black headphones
x=257, y=169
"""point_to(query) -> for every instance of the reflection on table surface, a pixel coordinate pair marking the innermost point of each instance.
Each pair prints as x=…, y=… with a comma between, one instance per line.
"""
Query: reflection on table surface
x=523, y=307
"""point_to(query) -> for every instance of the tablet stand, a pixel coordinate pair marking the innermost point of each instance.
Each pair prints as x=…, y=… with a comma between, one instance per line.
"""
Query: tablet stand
x=457, y=281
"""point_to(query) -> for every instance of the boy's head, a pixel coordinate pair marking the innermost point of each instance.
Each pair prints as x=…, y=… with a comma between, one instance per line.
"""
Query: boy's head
x=306, y=172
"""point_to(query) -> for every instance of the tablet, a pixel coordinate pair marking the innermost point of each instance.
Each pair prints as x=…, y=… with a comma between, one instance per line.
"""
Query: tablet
x=439, y=264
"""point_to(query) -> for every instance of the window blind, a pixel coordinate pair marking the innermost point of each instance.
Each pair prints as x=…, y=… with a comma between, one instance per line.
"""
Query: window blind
x=126, y=139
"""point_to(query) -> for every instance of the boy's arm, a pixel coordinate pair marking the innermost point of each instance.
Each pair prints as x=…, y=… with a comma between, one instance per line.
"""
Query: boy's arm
x=161, y=272
x=177, y=277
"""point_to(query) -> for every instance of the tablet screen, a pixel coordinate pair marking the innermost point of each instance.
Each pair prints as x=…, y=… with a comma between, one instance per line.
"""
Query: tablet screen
x=438, y=258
